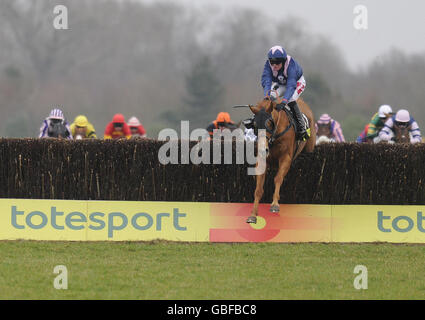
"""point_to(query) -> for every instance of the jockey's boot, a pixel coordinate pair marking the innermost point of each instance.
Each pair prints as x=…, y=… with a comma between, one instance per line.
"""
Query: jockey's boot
x=302, y=133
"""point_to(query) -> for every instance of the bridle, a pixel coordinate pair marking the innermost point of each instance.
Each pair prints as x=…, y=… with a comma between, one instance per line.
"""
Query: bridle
x=401, y=131
x=270, y=126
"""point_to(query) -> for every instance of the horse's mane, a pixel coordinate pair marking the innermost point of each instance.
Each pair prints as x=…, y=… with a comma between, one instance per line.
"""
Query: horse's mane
x=266, y=104
x=270, y=105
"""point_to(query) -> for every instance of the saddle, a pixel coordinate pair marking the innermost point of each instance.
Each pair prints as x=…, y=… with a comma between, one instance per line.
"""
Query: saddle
x=250, y=122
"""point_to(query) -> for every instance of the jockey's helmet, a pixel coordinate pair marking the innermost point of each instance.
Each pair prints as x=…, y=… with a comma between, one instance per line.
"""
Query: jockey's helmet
x=277, y=53
x=56, y=114
x=81, y=121
x=324, y=119
x=133, y=122
x=384, y=111
x=118, y=118
x=223, y=117
x=402, y=116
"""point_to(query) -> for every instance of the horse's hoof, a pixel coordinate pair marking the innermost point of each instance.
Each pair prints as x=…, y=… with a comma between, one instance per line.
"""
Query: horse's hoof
x=274, y=209
x=251, y=219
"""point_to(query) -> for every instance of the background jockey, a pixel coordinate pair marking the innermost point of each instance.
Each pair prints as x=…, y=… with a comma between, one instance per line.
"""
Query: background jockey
x=283, y=76
x=222, y=121
x=377, y=122
x=117, y=128
x=404, y=119
x=81, y=128
x=333, y=127
x=136, y=128
x=363, y=135
x=55, y=126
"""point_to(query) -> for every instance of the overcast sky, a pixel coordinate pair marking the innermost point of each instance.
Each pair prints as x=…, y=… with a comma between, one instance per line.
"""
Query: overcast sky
x=391, y=23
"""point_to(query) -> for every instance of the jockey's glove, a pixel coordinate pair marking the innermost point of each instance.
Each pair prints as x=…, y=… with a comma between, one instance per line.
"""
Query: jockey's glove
x=273, y=96
x=280, y=106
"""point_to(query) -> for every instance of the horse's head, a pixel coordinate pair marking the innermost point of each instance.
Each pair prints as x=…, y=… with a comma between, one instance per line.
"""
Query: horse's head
x=276, y=124
x=324, y=129
x=401, y=132
x=263, y=118
x=266, y=104
x=57, y=130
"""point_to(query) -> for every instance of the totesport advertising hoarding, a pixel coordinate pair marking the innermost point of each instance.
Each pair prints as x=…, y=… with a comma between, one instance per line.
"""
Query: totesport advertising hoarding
x=202, y=222
x=103, y=220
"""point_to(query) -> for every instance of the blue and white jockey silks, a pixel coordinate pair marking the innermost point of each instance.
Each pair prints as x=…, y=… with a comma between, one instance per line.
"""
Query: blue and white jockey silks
x=55, y=114
x=387, y=132
x=288, y=81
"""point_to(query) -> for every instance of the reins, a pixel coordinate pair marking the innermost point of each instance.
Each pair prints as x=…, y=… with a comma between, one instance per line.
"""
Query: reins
x=275, y=136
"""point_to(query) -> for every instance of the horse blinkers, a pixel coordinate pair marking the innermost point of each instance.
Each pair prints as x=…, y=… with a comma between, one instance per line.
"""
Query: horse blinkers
x=264, y=120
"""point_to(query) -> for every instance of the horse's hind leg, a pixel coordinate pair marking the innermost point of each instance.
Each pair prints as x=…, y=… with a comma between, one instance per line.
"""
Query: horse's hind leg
x=284, y=165
x=259, y=190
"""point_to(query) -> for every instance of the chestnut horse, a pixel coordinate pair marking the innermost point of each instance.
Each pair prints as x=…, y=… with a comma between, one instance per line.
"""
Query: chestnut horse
x=281, y=146
x=401, y=134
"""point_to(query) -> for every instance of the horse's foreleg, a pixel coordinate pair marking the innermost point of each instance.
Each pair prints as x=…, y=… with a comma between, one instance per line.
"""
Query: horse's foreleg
x=284, y=165
x=259, y=190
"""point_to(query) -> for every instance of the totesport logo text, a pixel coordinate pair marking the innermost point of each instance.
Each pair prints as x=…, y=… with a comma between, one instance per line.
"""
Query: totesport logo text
x=112, y=221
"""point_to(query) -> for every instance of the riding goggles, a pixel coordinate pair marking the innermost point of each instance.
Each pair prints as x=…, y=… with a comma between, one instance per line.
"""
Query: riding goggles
x=275, y=61
x=401, y=124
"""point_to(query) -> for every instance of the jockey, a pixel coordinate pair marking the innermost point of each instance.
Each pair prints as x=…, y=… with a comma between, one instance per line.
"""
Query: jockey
x=117, y=128
x=283, y=77
x=377, y=122
x=222, y=121
x=136, y=128
x=82, y=128
x=363, y=135
x=55, y=125
x=401, y=118
x=335, y=130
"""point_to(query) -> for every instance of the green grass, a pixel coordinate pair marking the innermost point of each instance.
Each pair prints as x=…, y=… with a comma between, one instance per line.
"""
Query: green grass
x=166, y=270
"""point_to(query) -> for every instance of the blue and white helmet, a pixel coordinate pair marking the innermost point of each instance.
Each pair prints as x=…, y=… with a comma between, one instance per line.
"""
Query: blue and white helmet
x=56, y=114
x=277, y=53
